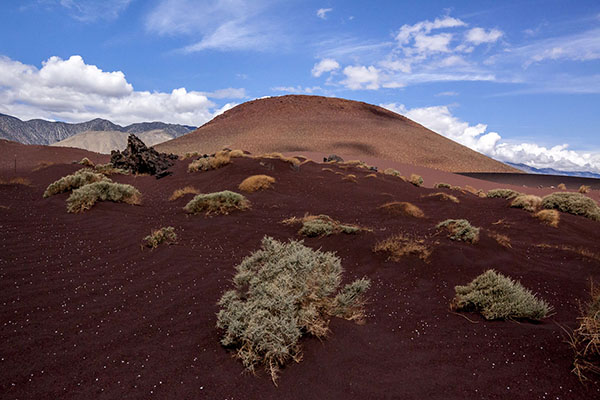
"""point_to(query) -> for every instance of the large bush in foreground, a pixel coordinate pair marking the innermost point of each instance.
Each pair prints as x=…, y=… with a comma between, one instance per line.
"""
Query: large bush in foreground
x=585, y=340
x=572, y=203
x=217, y=203
x=74, y=181
x=282, y=291
x=496, y=296
x=86, y=196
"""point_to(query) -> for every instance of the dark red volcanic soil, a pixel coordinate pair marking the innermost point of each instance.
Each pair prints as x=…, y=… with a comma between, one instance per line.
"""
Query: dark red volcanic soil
x=324, y=124
x=86, y=313
x=30, y=156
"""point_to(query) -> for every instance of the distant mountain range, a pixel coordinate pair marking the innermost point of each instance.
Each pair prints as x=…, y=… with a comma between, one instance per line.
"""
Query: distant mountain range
x=38, y=131
x=552, y=171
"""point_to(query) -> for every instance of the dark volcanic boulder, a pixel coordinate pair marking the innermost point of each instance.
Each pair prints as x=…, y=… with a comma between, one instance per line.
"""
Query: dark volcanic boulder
x=333, y=157
x=140, y=159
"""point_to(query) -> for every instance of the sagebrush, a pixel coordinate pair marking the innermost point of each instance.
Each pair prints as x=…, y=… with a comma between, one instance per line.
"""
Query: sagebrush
x=585, y=340
x=528, y=202
x=503, y=193
x=572, y=203
x=401, y=245
x=282, y=292
x=496, y=296
x=321, y=225
x=165, y=235
x=217, y=203
x=76, y=180
x=86, y=196
x=460, y=230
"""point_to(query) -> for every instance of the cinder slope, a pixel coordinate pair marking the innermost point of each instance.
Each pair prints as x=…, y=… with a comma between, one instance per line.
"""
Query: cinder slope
x=105, y=141
x=324, y=124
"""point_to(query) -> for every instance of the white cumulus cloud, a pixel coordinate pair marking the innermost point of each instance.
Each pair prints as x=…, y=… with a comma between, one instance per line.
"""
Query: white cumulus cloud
x=73, y=91
x=440, y=119
x=480, y=35
x=325, y=65
x=361, y=77
x=322, y=12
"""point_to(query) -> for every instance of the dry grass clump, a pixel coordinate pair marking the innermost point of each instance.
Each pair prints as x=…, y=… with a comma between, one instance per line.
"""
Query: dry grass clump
x=501, y=239
x=356, y=163
x=220, y=159
x=496, y=296
x=237, y=153
x=442, y=185
x=87, y=162
x=401, y=245
x=217, y=203
x=528, y=202
x=416, y=180
x=549, y=217
x=78, y=179
x=86, y=196
x=350, y=178
x=109, y=169
x=179, y=193
x=476, y=192
x=321, y=225
x=402, y=208
x=460, y=230
x=278, y=156
x=16, y=181
x=370, y=176
x=503, y=193
x=282, y=292
x=584, y=189
x=572, y=203
x=256, y=182
x=585, y=340
x=327, y=169
x=392, y=171
x=443, y=196
x=165, y=234
x=191, y=155
x=562, y=186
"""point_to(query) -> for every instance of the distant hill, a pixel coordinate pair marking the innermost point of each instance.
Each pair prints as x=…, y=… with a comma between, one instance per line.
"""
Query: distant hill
x=38, y=131
x=552, y=171
x=104, y=142
x=329, y=125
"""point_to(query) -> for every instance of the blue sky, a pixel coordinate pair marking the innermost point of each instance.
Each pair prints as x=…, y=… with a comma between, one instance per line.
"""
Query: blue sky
x=517, y=80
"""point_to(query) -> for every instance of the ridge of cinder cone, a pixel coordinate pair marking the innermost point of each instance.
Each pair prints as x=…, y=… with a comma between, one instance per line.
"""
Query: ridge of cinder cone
x=299, y=123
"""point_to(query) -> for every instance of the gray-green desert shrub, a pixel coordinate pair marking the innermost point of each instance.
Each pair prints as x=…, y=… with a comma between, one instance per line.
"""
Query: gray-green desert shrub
x=416, y=180
x=503, y=193
x=86, y=196
x=321, y=225
x=528, y=202
x=442, y=185
x=165, y=234
x=460, y=229
x=572, y=203
x=78, y=179
x=109, y=169
x=496, y=296
x=281, y=292
x=217, y=203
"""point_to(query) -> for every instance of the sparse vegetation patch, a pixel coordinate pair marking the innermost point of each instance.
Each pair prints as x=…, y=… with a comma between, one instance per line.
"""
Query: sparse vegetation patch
x=496, y=296
x=86, y=196
x=401, y=245
x=78, y=179
x=460, y=230
x=392, y=171
x=87, y=162
x=16, y=181
x=158, y=236
x=220, y=159
x=182, y=192
x=256, y=182
x=321, y=225
x=503, y=193
x=443, y=196
x=403, y=208
x=281, y=292
x=109, y=169
x=416, y=180
x=528, y=202
x=572, y=203
x=442, y=185
x=217, y=203
x=549, y=217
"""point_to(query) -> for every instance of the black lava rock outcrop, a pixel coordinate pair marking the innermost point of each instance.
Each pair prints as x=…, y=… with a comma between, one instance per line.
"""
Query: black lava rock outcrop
x=140, y=159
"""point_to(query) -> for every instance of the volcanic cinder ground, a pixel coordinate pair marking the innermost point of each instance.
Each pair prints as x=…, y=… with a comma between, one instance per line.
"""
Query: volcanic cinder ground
x=85, y=312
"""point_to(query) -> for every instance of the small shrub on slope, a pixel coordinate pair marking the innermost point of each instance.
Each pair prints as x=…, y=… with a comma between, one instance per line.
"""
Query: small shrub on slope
x=86, y=161
x=256, y=182
x=584, y=189
x=416, y=180
x=182, y=192
x=109, y=169
x=281, y=292
x=527, y=202
x=572, y=203
x=496, y=296
x=86, y=196
x=217, y=203
x=392, y=171
x=402, y=208
x=401, y=245
x=442, y=185
x=460, y=229
x=220, y=159
x=562, y=186
x=74, y=181
x=444, y=196
x=503, y=193
x=163, y=235
x=549, y=217
x=585, y=340
x=321, y=225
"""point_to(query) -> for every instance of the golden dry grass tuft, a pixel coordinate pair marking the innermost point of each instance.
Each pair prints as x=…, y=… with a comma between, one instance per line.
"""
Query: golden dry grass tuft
x=402, y=208
x=327, y=169
x=278, y=156
x=392, y=171
x=256, y=182
x=179, y=193
x=370, y=176
x=501, y=239
x=402, y=245
x=476, y=192
x=350, y=178
x=549, y=217
x=585, y=340
x=220, y=159
x=584, y=189
x=562, y=186
x=528, y=202
x=416, y=180
x=87, y=162
x=322, y=225
x=15, y=181
x=443, y=196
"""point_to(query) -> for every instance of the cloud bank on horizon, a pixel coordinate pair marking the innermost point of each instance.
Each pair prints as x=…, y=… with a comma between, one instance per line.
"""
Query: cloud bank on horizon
x=423, y=62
